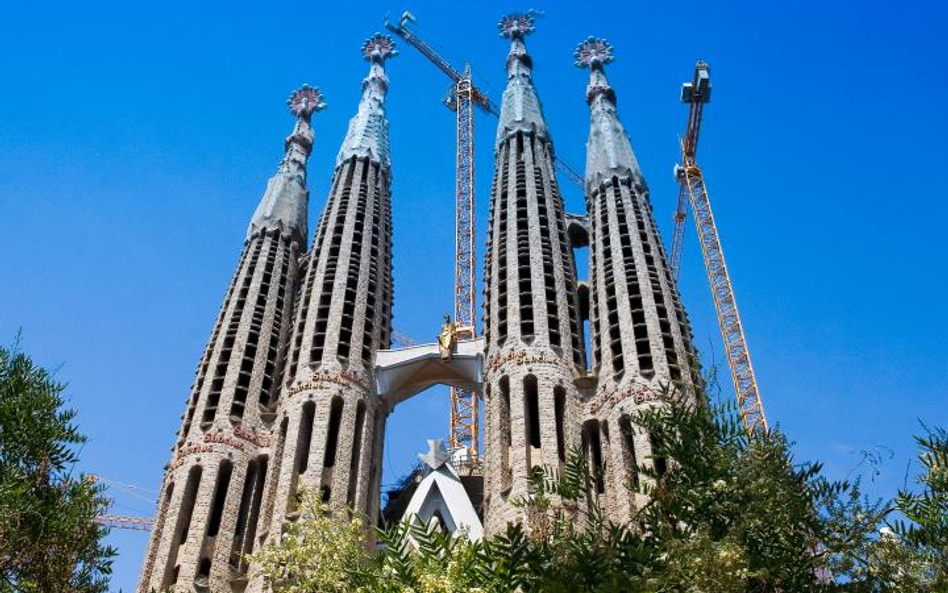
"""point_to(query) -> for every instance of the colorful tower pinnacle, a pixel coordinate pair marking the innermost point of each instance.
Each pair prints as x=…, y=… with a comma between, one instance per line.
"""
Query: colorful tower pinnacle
x=212, y=489
x=326, y=426
x=533, y=338
x=640, y=336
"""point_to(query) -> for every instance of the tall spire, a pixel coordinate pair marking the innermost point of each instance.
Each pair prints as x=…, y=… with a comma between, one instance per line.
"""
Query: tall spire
x=608, y=150
x=520, y=110
x=284, y=204
x=368, y=129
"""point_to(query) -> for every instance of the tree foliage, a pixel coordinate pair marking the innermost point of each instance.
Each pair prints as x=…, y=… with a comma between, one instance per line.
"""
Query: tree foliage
x=49, y=540
x=730, y=514
x=319, y=551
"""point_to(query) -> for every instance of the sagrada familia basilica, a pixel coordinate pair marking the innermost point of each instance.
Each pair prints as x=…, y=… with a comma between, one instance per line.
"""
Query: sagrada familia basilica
x=298, y=378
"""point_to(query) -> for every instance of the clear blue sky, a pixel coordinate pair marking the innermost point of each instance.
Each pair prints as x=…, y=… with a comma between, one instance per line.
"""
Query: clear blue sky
x=136, y=141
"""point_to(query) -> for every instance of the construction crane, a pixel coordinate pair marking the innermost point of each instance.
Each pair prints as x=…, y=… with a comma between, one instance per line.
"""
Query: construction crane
x=124, y=521
x=696, y=94
x=461, y=99
x=402, y=340
x=691, y=185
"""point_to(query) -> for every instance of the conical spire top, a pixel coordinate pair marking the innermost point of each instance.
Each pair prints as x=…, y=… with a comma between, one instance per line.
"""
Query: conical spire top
x=284, y=204
x=520, y=110
x=608, y=150
x=368, y=129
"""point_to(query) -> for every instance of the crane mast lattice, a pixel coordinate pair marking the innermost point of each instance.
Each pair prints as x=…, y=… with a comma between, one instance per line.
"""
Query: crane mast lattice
x=461, y=98
x=464, y=403
x=692, y=189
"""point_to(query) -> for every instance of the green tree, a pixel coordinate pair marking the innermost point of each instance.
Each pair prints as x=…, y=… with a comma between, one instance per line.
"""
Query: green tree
x=319, y=551
x=925, y=534
x=49, y=540
x=728, y=513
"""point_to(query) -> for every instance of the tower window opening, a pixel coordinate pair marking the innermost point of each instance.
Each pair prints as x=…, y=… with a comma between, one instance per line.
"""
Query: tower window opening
x=261, y=480
x=559, y=408
x=524, y=273
x=220, y=497
x=546, y=250
x=204, y=569
x=182, y=525
x=356, y=454
x=659, y=461
x=301, y=455
x=243, y=511
x=594, y=450
x=332, y=435
x=628, y=450
x=277, y=466
x=505, y=436
x=532, y=400
x=332, y=261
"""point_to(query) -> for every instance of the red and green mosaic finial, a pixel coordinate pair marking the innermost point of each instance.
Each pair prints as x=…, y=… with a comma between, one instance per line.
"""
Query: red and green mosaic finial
x=379, y=48
x=593, y=52
x=517, y=24
x=305, y=100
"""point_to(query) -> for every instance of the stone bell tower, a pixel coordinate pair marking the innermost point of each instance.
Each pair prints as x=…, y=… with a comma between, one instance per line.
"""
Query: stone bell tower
x=533, y=340
x=326, y=426
x=640, y=334
x=211, y=494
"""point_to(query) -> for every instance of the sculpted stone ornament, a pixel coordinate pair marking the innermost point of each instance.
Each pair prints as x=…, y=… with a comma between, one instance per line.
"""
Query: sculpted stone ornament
x=517, y=24
x=284, y=206
x=593, y=52
x=436, y=456
x=378, y=48
x=520, y=109
x=305, y=100
x=447, y=339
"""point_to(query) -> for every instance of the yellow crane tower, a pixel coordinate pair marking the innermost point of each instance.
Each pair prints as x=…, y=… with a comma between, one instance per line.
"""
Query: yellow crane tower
x=692, y=189
x=462, y=98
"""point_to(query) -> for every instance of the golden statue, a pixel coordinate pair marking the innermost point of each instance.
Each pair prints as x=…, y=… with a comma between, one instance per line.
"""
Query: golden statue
x=447, y=338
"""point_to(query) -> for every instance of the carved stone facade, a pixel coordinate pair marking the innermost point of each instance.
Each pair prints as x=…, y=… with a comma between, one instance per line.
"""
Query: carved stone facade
x=533, y=338
x=640, y=335
x=297, y=381
x=211, y=496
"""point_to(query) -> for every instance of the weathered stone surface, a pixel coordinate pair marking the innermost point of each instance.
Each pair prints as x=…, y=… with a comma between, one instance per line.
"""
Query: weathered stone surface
x=640, y=335
x=293, y=391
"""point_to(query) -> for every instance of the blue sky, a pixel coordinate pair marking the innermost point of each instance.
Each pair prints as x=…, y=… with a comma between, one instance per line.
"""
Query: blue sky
x=136, y=141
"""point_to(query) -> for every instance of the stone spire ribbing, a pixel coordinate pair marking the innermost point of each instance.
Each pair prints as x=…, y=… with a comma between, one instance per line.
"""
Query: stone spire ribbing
x=640, y=335
x=533, y=339
x=211, y=494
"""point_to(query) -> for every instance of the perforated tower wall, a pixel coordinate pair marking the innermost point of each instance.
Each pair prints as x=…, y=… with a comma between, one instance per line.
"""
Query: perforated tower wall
x=640, y=335
x=534, y=345
x=328, y=432
x=211, y=493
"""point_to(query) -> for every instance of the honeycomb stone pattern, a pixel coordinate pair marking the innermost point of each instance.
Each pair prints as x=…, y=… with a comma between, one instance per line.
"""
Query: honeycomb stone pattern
x=285, y=392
